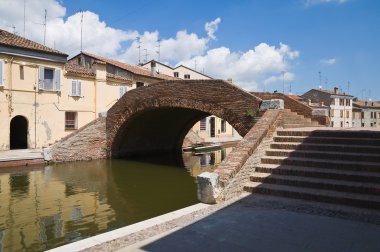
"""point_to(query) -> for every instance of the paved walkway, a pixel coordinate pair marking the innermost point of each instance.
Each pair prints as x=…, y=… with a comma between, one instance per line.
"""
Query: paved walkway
x=262, y=223
x=11, y=155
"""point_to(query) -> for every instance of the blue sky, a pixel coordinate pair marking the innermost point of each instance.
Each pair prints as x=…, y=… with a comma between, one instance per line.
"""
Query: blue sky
x=339, y=38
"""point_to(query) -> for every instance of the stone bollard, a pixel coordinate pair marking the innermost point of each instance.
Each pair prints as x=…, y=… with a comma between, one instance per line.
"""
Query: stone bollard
x=208, y=187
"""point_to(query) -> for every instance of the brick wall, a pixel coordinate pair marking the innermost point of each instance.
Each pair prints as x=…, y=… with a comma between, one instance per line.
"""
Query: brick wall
x=87, y=143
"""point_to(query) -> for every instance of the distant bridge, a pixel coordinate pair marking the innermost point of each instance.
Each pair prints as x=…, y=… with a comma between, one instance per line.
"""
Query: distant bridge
x=156, y=118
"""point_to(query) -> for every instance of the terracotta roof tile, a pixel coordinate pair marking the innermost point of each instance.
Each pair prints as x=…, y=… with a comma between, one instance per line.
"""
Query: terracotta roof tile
x=9, y=39
x=134, y=69
x=369, y=103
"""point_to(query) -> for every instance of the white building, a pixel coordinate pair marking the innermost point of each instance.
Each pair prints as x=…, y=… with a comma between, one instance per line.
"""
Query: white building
x=339, y=104
x=366, y=114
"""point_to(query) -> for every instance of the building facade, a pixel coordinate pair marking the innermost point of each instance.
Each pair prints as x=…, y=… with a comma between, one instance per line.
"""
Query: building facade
x=339, y=105
x=44, y=97
x=366, y=114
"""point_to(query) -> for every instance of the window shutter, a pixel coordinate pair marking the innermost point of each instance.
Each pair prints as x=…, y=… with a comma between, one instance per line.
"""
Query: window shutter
x=79, y=88
x=73, y=87
x=121, y=91
x=57, y=80
x=41, y=77
x=1, y=73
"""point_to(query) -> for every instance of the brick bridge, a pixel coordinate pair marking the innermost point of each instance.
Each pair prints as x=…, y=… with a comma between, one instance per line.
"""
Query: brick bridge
x=156, y=118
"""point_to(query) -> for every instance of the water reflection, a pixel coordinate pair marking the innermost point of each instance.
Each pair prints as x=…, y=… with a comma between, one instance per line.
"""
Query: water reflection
x=54, y=205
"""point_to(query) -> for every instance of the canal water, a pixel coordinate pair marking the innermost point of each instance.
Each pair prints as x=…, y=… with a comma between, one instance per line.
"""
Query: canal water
x=46, y=207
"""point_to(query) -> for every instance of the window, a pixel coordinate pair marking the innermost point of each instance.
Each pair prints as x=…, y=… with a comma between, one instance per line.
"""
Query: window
x=139, y=84
x=332, y=124
x=348, y=102
x=71, y=120
x=2, y=74
x=341, y=102
x=122, y=90
x=347, y=114
x=76, y=88
x=362, y=115
x=341, y=114
x=202, y=124
x=332, y=113
x=362, y=124
x=21, y=72
x=223, y=126
x=49, y=79
x=341, y=124
x=187, y=76
x=176, y=74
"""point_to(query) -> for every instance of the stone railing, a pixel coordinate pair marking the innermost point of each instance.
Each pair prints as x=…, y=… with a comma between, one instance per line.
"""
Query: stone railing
x=211, y=186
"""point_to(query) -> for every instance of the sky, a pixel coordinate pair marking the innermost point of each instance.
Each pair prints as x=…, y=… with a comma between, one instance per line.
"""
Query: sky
x=284, y=45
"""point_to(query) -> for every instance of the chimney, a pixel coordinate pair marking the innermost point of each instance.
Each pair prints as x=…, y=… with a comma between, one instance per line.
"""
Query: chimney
x=153, y=67
x=229, y=80
x=308, y=102
x=336, y=90
x=366, y=103
x=321, y=104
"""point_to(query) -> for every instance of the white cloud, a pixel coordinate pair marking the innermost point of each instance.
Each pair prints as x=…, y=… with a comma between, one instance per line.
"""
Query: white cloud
x=212, y=27
x=331, y=61
x=61, y=33
x=262, y=64
x=315, y=2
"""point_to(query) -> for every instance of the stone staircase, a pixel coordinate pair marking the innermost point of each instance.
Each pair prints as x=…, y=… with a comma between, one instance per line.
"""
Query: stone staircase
x=333, y=166
x=291, y=119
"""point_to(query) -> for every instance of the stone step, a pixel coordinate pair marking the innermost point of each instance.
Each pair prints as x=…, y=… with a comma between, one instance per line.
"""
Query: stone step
x=330, y=155
x=321, y=163
x=305, y=171
x=325, y=184
x=297, y=125
x=352, y=199
x=331, y=133
x=328, y=140
x=326, y=147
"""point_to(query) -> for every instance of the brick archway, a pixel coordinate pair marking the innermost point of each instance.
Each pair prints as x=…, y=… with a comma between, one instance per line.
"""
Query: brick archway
x=156, y=118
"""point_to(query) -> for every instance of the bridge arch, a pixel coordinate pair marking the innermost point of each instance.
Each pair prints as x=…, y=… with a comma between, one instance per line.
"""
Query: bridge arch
x=156, y=118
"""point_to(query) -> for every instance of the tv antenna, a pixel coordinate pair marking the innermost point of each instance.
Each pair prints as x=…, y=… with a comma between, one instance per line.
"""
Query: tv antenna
x=44, y=24
x=320, y=78
x=283, y=81
x=146, y=54
x=81, y=31
x=139, y=47
x=159, y=49
x=348, y=87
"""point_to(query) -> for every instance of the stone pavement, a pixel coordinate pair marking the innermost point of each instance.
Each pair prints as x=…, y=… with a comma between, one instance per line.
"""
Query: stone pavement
x=264, y=223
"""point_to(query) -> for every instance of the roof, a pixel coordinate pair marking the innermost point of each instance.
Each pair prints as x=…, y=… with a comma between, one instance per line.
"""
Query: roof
x=370, y=104
x=295, y=97
x=134, y=69
x=330, y=92
x=73, y=68
x=174, y=68
x=12, y=40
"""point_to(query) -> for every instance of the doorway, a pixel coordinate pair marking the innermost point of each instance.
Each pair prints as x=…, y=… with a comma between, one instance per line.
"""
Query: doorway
x=19, y=133
x=212, y=126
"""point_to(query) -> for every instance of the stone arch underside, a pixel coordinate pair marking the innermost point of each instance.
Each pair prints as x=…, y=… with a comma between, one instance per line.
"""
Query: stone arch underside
x=156, y=118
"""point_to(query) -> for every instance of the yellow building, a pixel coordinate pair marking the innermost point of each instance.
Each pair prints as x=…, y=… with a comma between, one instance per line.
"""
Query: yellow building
x=44, y=97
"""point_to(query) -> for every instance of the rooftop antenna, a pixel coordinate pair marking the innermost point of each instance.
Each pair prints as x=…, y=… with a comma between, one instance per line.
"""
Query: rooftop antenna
x=159, y=49
x=348, y=87
x=81, y=31
x=44, y=24
x=320, y=78
x=283, y=82
x=146, y=55
x=363, y=91
x=369, y=94
x=290, y=88
x=24, y=18
x=326, y=80
x=139, y=47
x=14, y=29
